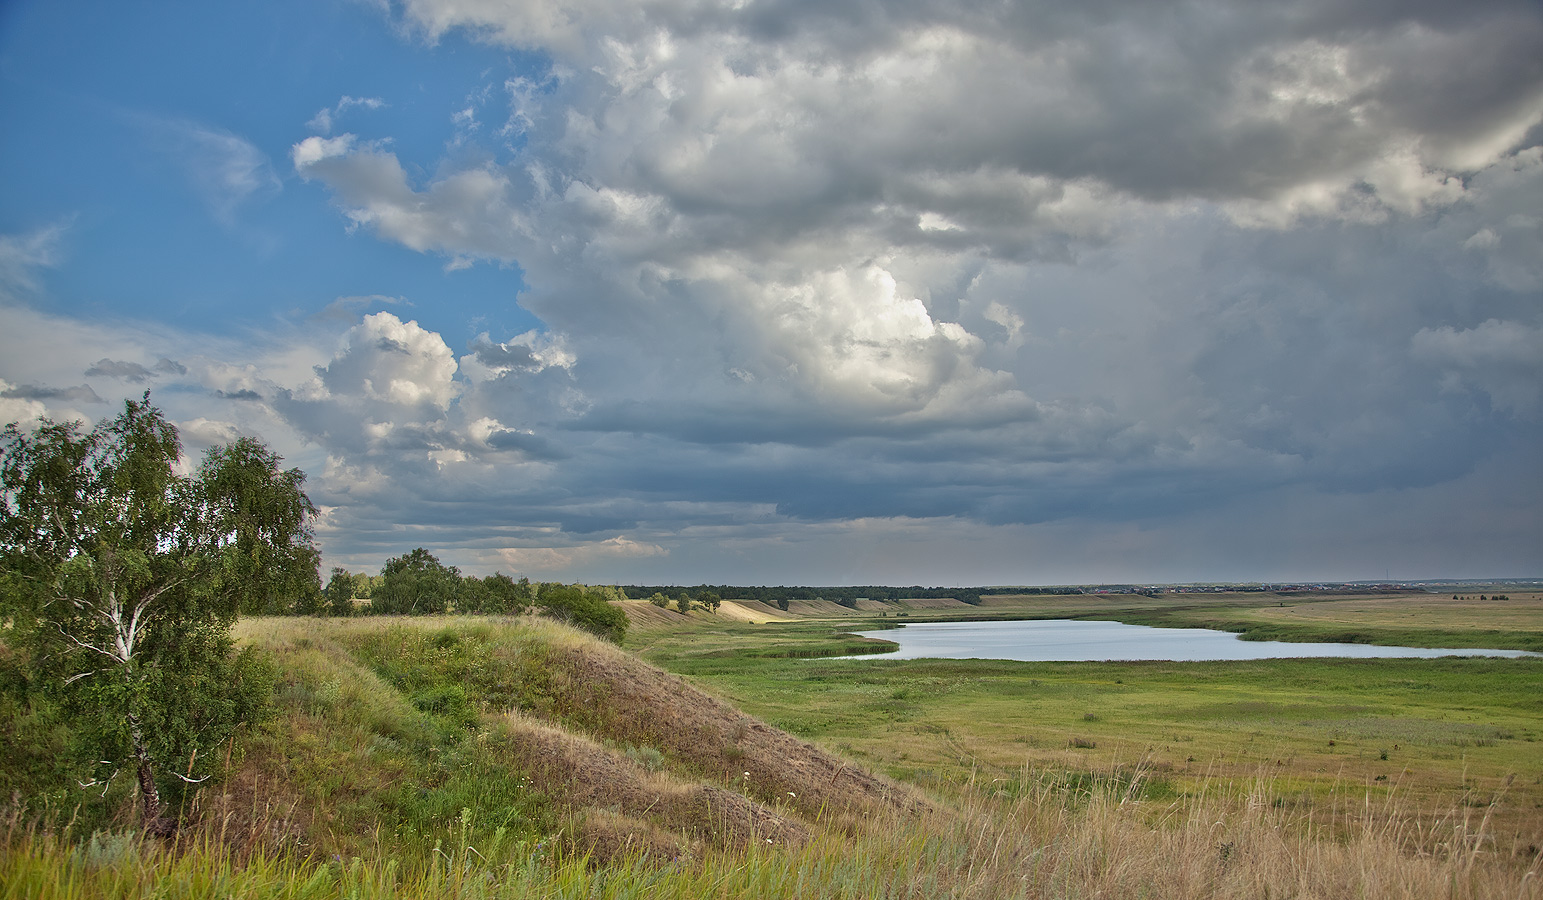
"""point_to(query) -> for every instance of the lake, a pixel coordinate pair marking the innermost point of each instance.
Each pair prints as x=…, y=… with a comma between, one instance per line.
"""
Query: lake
x=1066, y=640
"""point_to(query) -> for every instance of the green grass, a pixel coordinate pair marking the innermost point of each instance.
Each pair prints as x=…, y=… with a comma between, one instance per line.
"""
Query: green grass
x=380, y=748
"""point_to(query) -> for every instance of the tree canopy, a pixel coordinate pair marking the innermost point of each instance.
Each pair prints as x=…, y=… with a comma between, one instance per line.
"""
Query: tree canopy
x=122, y=578
x=416, y=584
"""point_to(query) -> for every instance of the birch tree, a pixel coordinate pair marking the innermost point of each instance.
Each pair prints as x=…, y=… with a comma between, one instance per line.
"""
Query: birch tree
x=125, y=577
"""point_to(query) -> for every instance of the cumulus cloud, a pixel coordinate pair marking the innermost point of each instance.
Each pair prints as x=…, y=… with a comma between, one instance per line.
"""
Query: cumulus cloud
x=467, y=213
x=390, y=383
x=741, y=182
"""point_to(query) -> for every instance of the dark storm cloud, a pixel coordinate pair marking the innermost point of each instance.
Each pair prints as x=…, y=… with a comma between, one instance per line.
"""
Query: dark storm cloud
x=81, y=393
x=133, y=372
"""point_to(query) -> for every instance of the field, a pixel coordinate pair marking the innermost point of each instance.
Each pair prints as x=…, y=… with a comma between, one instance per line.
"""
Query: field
x=726, y=755
x=1440, y=735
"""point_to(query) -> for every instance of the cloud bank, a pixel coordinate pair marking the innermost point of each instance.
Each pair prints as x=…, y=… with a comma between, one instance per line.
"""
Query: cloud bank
x=1218, y=290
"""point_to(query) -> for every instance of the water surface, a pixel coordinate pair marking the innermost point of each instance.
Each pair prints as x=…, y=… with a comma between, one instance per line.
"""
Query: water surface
x=1067, y=640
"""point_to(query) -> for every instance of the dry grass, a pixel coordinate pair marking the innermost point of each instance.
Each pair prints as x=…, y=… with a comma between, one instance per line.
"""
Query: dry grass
x=615, y=695
x=1208, y=846
x=599, y=783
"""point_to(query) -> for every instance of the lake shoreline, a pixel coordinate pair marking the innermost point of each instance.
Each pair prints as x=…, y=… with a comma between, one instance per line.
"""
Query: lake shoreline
x=1086, y=640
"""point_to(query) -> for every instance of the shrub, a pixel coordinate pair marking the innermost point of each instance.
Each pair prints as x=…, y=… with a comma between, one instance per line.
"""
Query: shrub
x=505, y=595
x=584, y=610
x=416, y=584
x=340, y=593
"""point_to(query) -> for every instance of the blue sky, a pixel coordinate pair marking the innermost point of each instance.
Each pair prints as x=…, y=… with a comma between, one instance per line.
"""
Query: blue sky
x=944, y=293
x=117, y=116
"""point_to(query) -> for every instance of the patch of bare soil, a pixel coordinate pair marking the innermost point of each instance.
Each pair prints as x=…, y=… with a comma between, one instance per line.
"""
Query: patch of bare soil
x=821, y=608
x=754, y=613
x=643, y=615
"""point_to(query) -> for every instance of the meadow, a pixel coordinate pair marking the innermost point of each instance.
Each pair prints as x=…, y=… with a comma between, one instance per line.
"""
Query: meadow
x=1438, y=734
x=724, y=755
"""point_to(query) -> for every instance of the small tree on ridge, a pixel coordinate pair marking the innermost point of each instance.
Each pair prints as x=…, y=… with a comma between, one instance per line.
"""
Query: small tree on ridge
x=123, y=579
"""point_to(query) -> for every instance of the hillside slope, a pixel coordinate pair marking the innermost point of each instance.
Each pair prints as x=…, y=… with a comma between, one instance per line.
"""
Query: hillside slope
x=391, y=733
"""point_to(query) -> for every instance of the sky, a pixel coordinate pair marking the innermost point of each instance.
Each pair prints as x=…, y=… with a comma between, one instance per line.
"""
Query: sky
x=938, y=292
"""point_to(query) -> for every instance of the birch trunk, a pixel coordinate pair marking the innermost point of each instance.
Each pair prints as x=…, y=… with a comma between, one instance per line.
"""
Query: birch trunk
x=149, y=796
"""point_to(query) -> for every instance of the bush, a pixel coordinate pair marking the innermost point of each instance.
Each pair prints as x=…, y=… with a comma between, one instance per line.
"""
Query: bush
x=583, y=610
x=416, y=584
x=501, y=595
x=340, y=593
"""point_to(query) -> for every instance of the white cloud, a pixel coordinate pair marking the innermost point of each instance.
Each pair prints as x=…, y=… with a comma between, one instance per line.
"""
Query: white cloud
x=314, y=149
x=387, y=376
x=467, y=213
x=953, y=262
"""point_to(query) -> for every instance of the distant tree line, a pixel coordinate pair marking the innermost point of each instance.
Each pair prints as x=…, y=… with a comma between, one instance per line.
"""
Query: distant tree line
x=781, y=596
x=418, y=584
